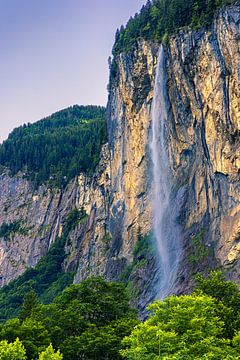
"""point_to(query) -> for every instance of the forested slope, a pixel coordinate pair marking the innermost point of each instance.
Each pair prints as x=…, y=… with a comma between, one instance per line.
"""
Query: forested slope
x=57, y=148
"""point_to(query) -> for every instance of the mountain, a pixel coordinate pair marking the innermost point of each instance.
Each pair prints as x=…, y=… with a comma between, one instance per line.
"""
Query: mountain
x=172, y=120
x=57, y=148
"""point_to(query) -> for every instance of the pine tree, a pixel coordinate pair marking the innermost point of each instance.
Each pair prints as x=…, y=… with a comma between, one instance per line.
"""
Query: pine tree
x=29, y=304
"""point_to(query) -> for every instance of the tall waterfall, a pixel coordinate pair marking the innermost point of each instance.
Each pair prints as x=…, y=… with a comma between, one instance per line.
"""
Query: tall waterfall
x=166, y=230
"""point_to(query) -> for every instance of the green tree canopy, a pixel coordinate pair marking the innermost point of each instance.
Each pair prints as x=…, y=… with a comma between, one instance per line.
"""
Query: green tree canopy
x=89, y=320
x=184, y=327
x=29, y=304
x=12, y=351
x=227, y=296
x=32, y=334
x=158, y=18
x=50, y=354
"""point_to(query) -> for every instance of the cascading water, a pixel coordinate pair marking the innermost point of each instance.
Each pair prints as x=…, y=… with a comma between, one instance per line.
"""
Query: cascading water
x=165, y=227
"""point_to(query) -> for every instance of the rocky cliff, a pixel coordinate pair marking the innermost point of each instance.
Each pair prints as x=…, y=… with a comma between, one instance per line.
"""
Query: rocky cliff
x=204, y=143
x=36, y=216
x=202, y=131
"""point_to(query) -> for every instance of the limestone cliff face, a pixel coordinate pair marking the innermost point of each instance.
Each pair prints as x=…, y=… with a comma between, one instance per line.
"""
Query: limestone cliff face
x=89, y=242
x=38, y=217
x=203, y=88
x=202, y=129
x=204, y=142
x=129, y=131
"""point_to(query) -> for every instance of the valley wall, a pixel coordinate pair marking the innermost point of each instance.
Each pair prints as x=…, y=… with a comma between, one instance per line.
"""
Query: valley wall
x=202, y=128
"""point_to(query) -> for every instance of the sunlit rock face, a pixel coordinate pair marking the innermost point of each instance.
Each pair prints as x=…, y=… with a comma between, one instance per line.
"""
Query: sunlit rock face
x=203, y=90
x=202, y=129
x=129, y=128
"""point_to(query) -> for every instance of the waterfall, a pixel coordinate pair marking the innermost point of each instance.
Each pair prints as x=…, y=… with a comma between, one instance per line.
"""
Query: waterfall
x=166, y=231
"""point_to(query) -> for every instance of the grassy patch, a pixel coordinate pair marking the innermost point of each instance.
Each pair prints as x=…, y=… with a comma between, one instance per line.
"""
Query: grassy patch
x=199, y=250
x=142, y=253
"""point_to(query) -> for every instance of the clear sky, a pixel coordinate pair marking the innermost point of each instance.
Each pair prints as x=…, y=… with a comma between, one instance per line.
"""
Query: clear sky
x=53, y=54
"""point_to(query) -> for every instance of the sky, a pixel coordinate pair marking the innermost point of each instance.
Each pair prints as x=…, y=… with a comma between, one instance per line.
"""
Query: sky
x=54, y=53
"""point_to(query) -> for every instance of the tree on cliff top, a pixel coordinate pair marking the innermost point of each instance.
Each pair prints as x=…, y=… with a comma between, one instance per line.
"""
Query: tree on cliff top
x=158, y=18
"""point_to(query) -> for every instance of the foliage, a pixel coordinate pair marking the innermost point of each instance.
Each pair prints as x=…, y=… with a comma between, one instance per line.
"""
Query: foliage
x=89, y=320
x=199, y=250
x=6, y=230
x=143, y=249
x=74, y=218
x=93, y=320
x=227, y=296
x=86, y=321
x=144, y=246
x=159, y=18
x=16, y=350
x=50, y=354
x=32, y=334
x=57, y=148
x=29, y=304
x=184, y=327
x=143, y=255
x=47, y=279
x=12, y=351
x=98, y=343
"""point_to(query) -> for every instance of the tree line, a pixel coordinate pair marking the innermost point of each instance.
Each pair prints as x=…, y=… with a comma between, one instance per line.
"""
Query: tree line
x=160, y=18
x=94, y=320
x=57, y=148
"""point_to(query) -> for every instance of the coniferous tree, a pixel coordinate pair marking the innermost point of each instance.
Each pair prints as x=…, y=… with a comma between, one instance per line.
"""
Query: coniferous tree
x=29, y=304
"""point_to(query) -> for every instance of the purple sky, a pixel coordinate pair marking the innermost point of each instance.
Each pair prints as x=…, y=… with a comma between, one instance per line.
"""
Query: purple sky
x=54, y=54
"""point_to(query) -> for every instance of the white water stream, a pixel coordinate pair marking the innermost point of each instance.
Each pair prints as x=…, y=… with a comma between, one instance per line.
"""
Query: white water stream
x=165, y=227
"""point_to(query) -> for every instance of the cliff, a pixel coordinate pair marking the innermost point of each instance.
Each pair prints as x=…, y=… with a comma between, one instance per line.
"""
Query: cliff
x=38, y=215
x=202, y=131
x=204, y=124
